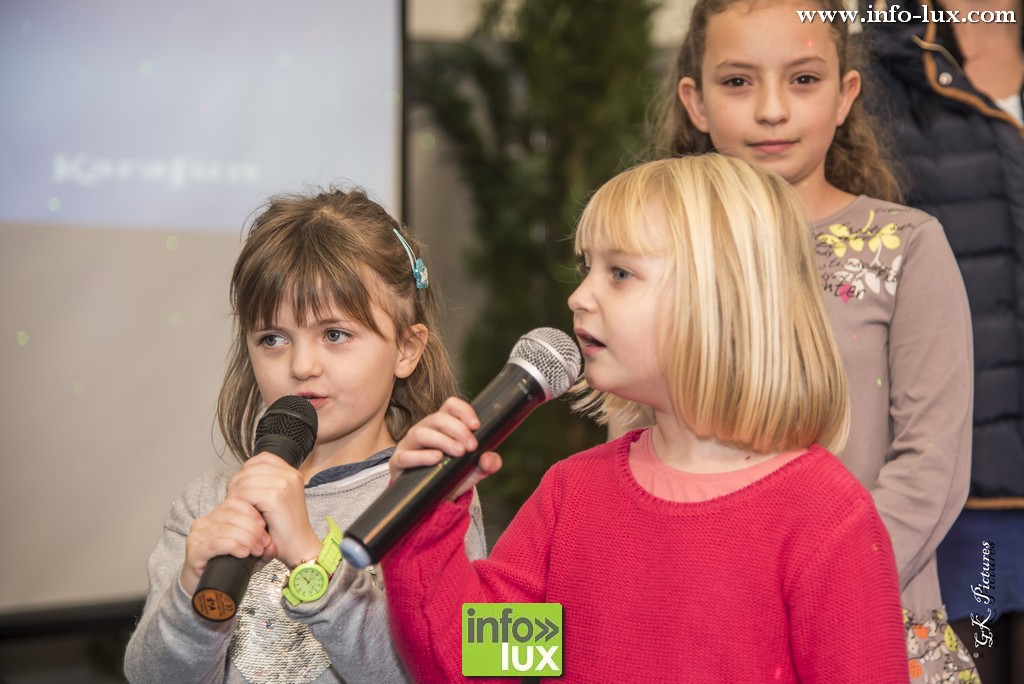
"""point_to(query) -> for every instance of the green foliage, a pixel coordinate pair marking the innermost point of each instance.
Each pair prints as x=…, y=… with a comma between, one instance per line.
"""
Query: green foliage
x=540, y=114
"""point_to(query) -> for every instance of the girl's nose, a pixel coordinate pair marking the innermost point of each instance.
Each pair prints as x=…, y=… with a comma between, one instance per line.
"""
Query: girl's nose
x=581, y=299
x=772, y=105
x=305, y=362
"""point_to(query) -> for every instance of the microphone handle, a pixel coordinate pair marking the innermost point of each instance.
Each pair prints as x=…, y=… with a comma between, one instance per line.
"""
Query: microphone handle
x=222, y=586
x=501, y=407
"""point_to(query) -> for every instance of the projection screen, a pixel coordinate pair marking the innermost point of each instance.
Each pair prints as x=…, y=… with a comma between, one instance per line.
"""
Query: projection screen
x=138, y=138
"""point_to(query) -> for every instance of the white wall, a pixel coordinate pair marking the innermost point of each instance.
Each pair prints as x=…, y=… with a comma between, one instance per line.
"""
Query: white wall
x=447, y=20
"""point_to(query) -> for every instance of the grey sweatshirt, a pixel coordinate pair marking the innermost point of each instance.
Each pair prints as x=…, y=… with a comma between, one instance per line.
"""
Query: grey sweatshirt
x=341, y=637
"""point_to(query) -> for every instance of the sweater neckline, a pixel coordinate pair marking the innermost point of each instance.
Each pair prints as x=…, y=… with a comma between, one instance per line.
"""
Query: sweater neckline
x=853, y=205
x=645, y=500
x=347, y=470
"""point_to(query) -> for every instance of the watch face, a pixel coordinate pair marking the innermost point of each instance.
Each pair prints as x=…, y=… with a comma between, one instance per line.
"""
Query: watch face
x=309, y=582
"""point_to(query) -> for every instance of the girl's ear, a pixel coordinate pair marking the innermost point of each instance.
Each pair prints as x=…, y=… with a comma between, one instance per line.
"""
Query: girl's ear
x=410, y=349
x=693, y=101
x=849, y=89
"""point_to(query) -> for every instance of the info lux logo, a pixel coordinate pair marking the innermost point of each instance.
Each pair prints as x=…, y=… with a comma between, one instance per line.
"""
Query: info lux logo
x=511, y=639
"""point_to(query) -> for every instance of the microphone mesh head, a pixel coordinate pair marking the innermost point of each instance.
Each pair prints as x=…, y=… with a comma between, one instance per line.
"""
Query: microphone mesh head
x=553, y=354
x=292, y=417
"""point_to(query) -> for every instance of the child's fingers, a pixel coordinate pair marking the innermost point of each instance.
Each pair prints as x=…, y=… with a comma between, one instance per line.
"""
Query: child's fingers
x=449, y=432
x=265, y=480
x=429, y=441
x=230, y=511
x=268, y=459
x=444, y=431
x=405, y=460
x=461, y=409
x=490, y=463
x=277, y=491
x=237, y=542
x=233, y=528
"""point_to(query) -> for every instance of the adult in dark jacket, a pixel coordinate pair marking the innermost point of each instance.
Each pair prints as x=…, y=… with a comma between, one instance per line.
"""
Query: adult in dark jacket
x=953, y=93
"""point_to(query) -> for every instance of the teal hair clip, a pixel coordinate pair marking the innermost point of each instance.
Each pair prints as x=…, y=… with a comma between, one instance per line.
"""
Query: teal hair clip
x=419, y=269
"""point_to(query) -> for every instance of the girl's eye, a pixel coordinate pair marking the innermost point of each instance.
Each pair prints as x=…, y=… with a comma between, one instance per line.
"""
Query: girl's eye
x=583, y=268
x=618, y=274
x=271, y=340
x=335, y=336
x=735, y=82
x=806, y=79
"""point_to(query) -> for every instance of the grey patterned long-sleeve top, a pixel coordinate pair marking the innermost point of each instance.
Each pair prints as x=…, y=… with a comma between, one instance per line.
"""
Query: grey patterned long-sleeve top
x=902, y=322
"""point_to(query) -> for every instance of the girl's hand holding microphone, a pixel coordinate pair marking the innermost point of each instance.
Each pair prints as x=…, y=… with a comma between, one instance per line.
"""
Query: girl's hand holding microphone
x=233, y=528
x=277, y=491
x=263, y=515
x=449, y=432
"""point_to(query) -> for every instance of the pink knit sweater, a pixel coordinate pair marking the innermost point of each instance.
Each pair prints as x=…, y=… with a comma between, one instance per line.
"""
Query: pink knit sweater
x=790, y=579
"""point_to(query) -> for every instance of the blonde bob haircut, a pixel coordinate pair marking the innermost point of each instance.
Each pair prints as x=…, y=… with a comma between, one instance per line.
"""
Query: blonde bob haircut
x=747, y=345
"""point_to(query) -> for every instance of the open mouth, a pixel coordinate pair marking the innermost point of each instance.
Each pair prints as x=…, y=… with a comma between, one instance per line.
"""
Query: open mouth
x=588, y=342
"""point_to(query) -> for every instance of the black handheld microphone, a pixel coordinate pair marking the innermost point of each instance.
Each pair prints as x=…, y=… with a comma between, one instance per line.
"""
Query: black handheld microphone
x=544, y=364
x=287, y=429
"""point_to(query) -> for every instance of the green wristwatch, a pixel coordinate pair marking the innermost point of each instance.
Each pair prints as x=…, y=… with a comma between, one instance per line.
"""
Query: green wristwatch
x=308, y=581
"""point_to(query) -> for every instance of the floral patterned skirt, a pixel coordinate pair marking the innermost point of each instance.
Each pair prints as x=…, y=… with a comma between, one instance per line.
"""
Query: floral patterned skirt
x=936, y=654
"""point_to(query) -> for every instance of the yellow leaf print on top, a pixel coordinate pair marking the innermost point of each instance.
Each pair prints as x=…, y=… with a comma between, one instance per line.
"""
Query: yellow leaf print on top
x=886, y=237
x=851, y=271
x=839, y=237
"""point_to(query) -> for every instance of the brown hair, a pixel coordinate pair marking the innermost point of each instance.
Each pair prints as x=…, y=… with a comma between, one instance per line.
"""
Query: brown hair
x=327, y=249
x=855, y=163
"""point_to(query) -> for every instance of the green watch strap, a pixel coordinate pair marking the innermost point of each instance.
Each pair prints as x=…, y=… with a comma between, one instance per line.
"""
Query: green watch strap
x=330, y=552
x=329, y=558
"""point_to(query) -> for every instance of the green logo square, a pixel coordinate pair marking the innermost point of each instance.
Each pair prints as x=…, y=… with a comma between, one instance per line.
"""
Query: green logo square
x=511, y=639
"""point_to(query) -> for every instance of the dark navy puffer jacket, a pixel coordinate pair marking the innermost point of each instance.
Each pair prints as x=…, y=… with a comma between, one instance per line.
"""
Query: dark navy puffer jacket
x=962, y=160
